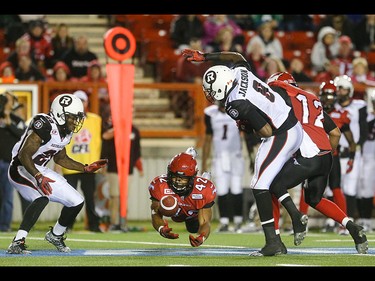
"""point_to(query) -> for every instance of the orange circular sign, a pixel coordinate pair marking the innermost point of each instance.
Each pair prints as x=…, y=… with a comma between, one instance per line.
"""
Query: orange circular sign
x=119, y=43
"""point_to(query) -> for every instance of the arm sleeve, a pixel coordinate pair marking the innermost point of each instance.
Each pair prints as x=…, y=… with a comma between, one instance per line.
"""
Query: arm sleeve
x=363, y=125
x=328, y=123
x=207, y=121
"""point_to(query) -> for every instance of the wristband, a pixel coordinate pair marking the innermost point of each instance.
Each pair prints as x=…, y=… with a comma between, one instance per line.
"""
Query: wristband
x=160, y=228
x=37, y=174
x=352, y=155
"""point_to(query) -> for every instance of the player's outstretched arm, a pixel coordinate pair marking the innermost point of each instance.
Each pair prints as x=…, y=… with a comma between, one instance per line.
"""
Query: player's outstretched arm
x=198, y=56
x=159, y=224
x=65, y=161
x=204, y=217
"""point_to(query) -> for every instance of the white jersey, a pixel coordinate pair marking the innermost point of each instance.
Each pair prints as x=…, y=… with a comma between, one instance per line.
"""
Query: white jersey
x=256, y=102
x=261, y=95
x=52, y=142
x=46, y=128
x=228, y=161
x=367, y=175
x=224, y=130
x=354, y=114
x=349, y=181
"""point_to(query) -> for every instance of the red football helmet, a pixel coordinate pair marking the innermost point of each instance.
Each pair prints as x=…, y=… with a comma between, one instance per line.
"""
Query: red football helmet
x=327, y=95
x=282, y=76
x=182, y=170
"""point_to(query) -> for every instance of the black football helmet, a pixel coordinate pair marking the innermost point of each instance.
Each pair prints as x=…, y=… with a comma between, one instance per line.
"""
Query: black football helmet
x=328, y=95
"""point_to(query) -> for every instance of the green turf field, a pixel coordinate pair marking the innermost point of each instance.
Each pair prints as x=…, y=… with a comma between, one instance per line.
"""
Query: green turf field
x=149, y=249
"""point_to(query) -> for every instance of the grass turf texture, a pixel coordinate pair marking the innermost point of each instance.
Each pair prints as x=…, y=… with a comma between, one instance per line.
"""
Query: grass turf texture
x=149, y=249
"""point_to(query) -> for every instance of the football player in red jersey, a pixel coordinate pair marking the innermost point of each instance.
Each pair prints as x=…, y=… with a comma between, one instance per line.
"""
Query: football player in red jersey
x=328, y=97
x=313, y=161
x=196, y=196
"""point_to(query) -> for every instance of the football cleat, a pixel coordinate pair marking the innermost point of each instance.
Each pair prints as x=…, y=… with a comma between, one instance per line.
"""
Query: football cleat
x=223, y=228
x=301, y=233
x=57, y=241
x=18, y=247
x=359, y=237
x=270, y=249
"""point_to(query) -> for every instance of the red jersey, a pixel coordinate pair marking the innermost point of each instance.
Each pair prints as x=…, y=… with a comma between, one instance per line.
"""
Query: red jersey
x=203, y=194
x=308, y=109
x=342, y=120
x=42, y=46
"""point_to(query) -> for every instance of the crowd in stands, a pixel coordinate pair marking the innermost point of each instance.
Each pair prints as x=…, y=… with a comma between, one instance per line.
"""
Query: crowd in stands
x=314, y=48
x=34, y=48
x=36, y=51
x=308, y=46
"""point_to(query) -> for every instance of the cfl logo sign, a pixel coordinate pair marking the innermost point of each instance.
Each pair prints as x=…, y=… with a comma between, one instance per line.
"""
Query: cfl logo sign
x=210, y=77
x=65, y=101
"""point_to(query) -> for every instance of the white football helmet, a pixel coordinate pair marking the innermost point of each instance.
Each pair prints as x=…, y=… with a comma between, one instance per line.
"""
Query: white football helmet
x=68, y=106
x=344, y=81
x=218, y=81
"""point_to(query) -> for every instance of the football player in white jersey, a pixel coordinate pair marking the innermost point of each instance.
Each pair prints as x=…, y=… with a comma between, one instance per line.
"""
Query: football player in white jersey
x=367, y=176
x=252, y=103
x=227, y=162
x=357, y=200
x=45, y=139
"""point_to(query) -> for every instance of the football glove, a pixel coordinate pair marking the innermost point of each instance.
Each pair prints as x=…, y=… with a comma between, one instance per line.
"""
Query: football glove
x=349, y=165
x=43, y=186
x=93, y=167
x=196, y=241
x=166, y=231
x=243, y=125
x=193, y=55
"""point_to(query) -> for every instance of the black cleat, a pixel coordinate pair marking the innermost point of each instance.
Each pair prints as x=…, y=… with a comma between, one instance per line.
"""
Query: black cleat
x=300, y=230
x=270, y=249
x=359, y=237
